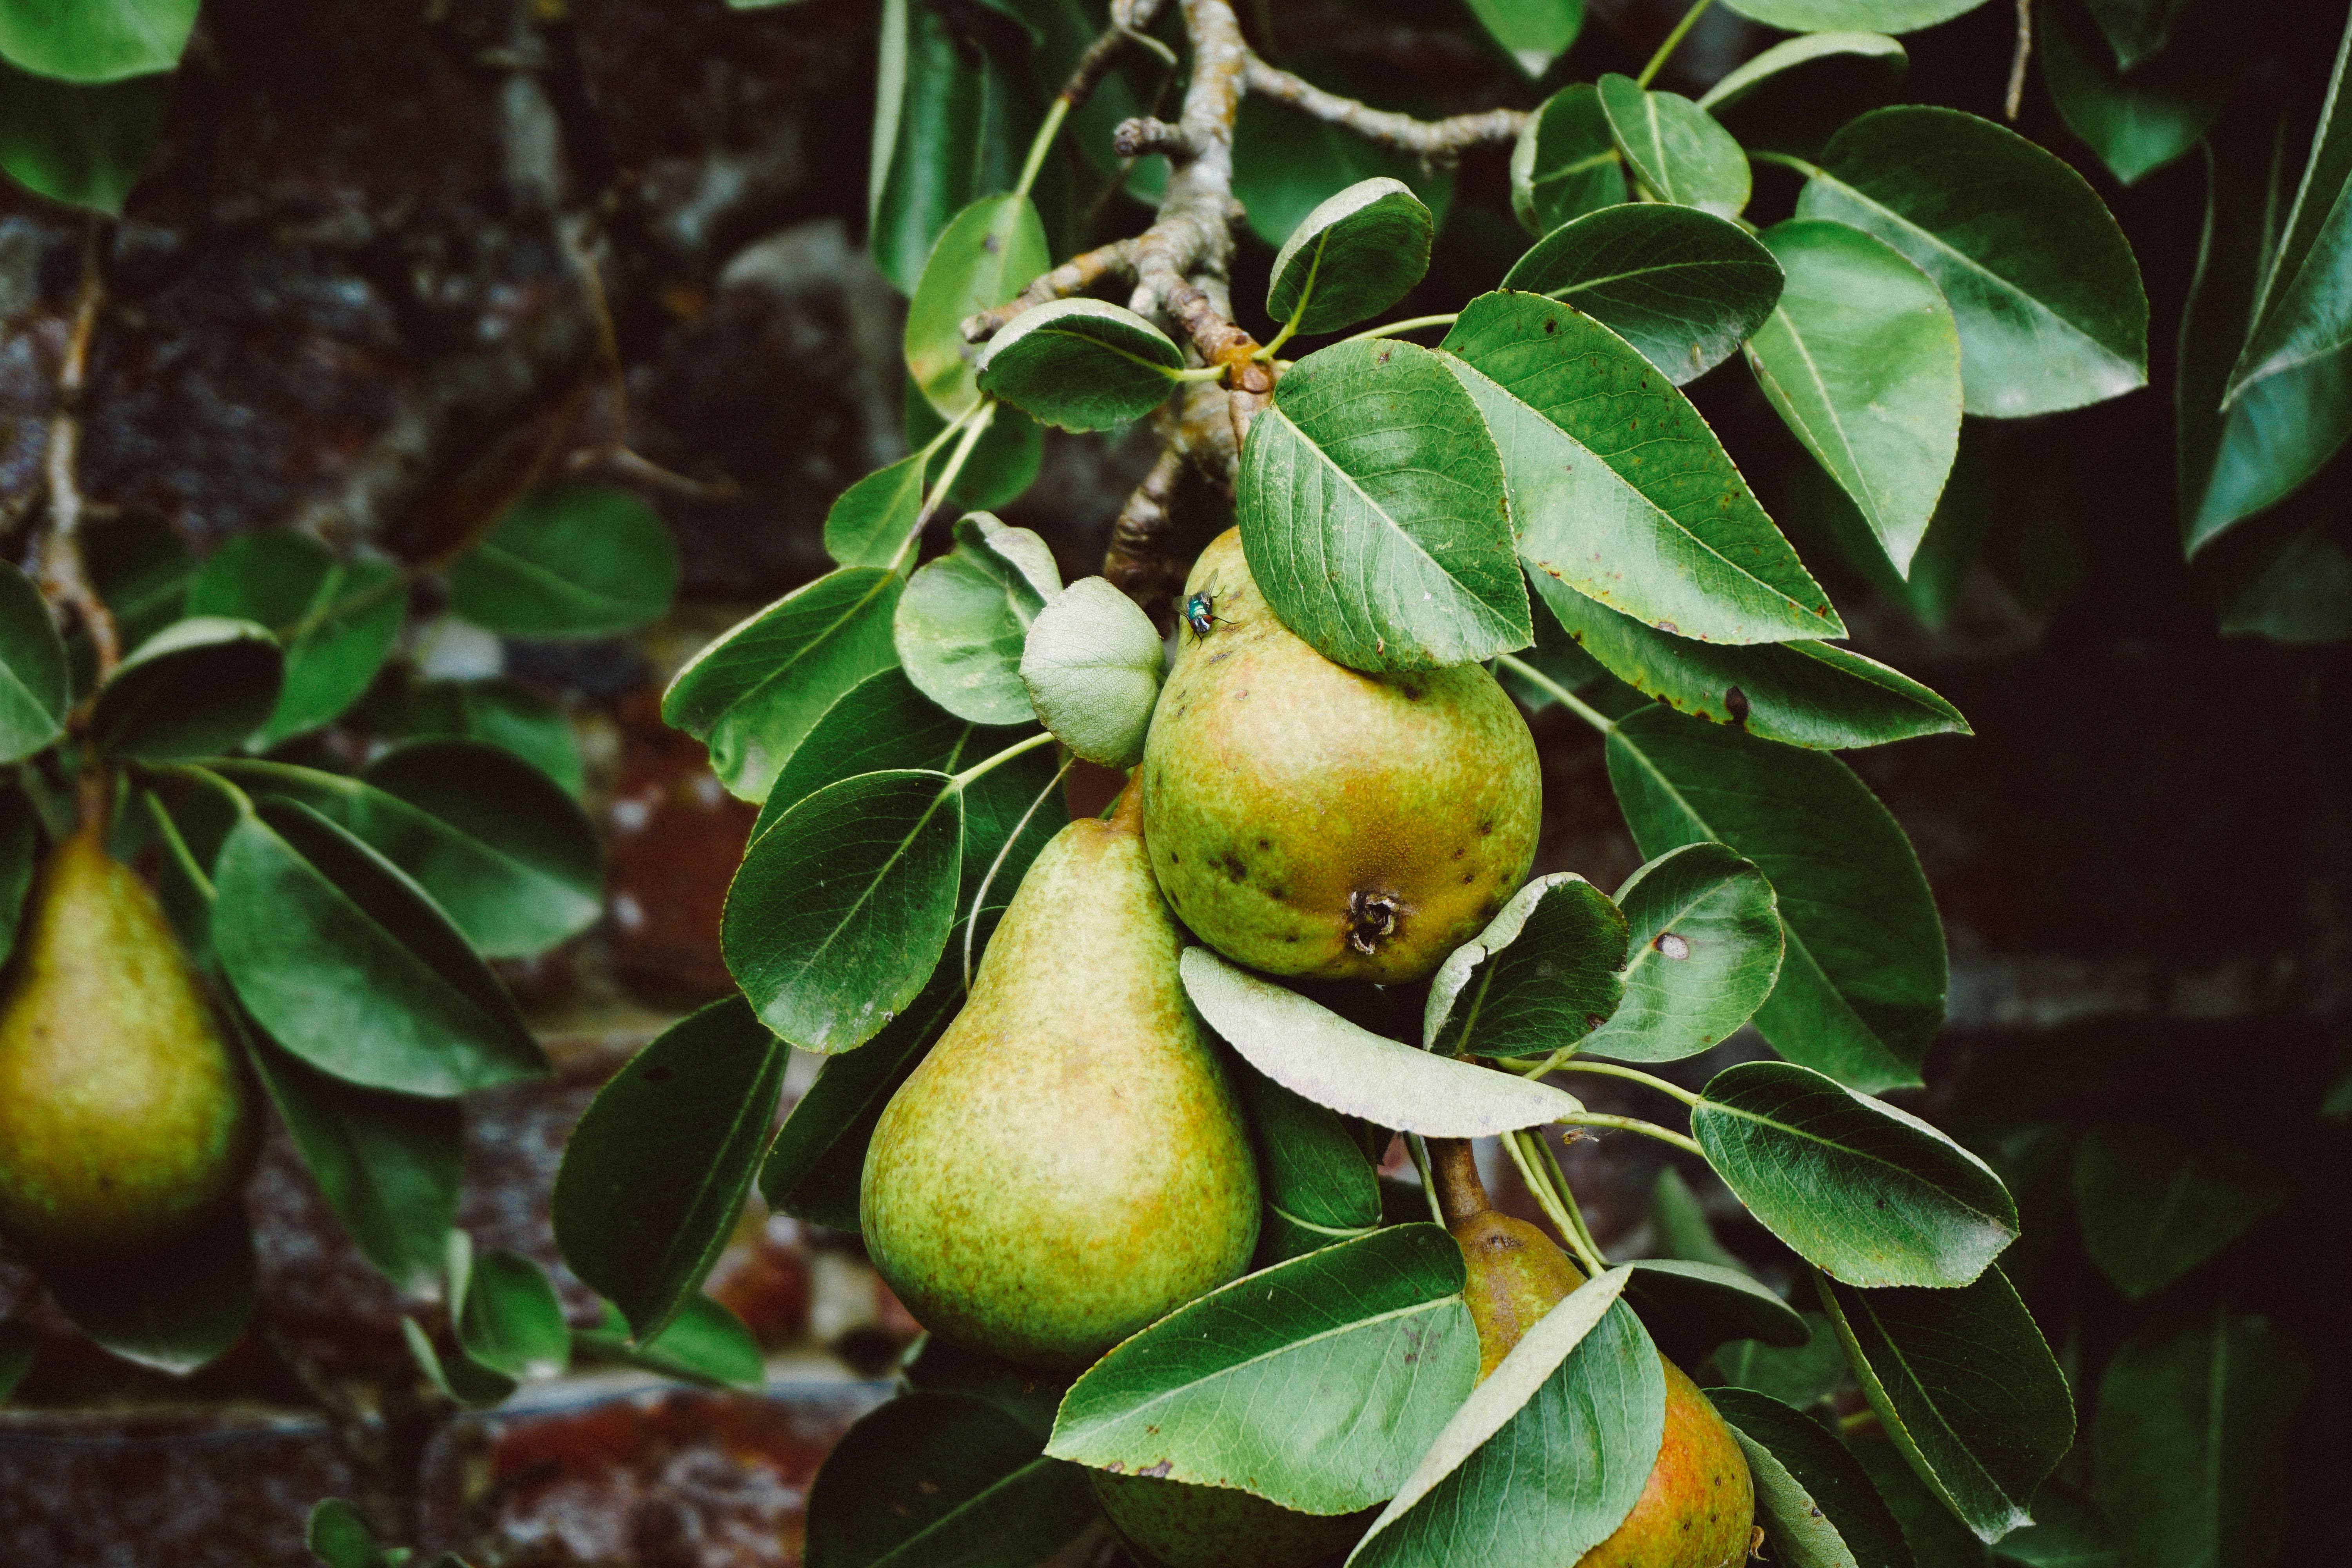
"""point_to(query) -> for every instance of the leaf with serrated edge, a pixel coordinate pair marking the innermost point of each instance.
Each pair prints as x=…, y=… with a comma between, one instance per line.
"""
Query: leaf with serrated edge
x=985, y=255
x=867, y=524
x=1703, y=928
x=1092, y=666
x=1618, y=486
x=1866, y=1190
x=1312, y=1051
x=1494, y=1404
x=1676, y=148
x=1827, y=15
x=1316, y=1384
x=1081, y=364
x=2305, y=310
x=1358, y=253
x=1563, y=164
x=1814, y=1498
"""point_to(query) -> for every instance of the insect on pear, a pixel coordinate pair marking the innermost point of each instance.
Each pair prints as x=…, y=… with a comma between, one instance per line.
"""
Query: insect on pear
x=1200, y=614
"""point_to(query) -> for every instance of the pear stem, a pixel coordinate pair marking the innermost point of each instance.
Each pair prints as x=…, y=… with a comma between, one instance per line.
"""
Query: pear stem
x=1125, y=812
x=94, y=796
x=1461, y=1195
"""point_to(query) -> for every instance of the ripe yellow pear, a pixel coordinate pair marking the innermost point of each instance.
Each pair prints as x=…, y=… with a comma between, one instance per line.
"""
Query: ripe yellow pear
x=1305, y=818
x=124, y=1119
x=1070, y=1162
x=1698, y=1507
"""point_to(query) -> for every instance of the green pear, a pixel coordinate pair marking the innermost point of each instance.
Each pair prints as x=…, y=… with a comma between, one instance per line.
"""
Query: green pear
x=1175, y=1524
x=1305, y=818
x=1070, y=1162
x=124, y=1119
x=1697, y=1509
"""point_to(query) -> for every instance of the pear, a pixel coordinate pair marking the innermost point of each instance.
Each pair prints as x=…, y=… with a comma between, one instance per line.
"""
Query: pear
x=1070, y=1162
x=1175, y=1524
x=124, y=1119
x=1697, y=1508
x=1307, y=820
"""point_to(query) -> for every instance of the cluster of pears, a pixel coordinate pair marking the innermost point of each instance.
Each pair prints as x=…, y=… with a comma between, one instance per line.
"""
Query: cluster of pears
x=125, y=1121
x=1071, y=1161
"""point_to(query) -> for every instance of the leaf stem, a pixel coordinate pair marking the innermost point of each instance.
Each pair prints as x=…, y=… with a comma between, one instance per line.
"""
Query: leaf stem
x=1674, y=41
x=1650, y=1080
x=1390, y=329
x=1635, y=1124
x=979, y=417
x=1038, y=145
x=1420, y=1147
x=1788, y=160
x=988, y=765
x=1563, y=1215
x=1560, y=694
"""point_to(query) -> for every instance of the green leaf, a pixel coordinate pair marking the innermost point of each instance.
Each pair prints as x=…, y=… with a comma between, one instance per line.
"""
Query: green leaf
x=1618, y=486
x=337, y=620
x=458, y=1376
x=1581, y=1402
x=942, y=1481
x=1675, y=148
x=2303, y=313
x=2192, y=1437
x=569, y=560
x=1316, y=1384
x=174, y=1308
x=1358, y=253
x=347, y=962
x=1314, y=1052
x=960, y=624
x=1534, y=33
x=2296, y=589
x=812, y=1169
x=85, y=146
x=1286, y=162
x=1799, y=1377
x=508, y=857
x=1963, y=1382
x=339, y=1538
x=95, y=40
x=1692, y=1308
x=1372, y=507
x=653, y=1177
x=2066, y=1532
x=1793, y=97
x=705, y=1344
x=1860, y=992
x=1862, y=359
x=140, y=567
x=1834, y=15
x=1319, y=1188
x=841, y=908
x=984, y=257
x=950, y=122
x=34, y=693
x=1937, y=1539
x=1564, y=164
x=1815, y=1501
x=1678, y=1227
x=1092, y=666
x=1704, y=937
x=388, y=1164
x=935, y=1365
x=1802, y=693
x=2136, y=28
x=2277, y=432
x=1871, y=1194
x=1001, y=464
x=2136, y=123
x=497, y=712
x=1081, y=364
x=2040, y=280
x=1543, y=974
x=2151, y=1209
x=1683, y=287
x=869, y=523
x=751, y=695
x=199, y=686
x=511, y=1321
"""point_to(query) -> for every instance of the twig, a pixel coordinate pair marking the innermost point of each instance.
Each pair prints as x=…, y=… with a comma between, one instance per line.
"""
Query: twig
x=1437, y=141
x=2017, y=62
x=1137, y=561
x=1075, y=275
x=1127, y=24
x=58, y=566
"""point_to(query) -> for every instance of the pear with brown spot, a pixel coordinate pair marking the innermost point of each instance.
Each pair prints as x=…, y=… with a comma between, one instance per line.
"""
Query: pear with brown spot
x=125, y=1122
x=1305, y=818
x=1698, y=1507
x=1070, y=1163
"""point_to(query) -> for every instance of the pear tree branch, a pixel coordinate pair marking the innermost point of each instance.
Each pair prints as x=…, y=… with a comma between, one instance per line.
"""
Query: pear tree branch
x=1433, y=140
x=57, y=565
